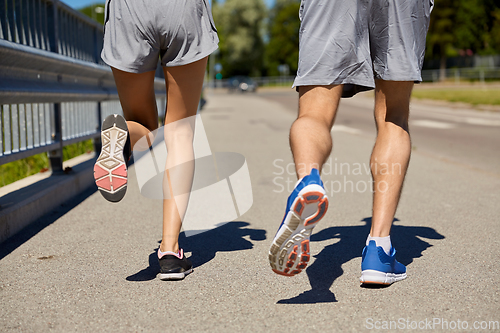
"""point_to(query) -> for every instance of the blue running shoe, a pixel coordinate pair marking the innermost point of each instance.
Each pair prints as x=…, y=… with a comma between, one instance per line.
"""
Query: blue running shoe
x=379, y=268
x=289, y=252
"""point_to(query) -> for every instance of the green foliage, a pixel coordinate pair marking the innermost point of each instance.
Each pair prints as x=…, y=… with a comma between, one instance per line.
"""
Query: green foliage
x=283, y=46
x=464, y=25
x=441, y=36
x=77, y=149
x=95, y=12
x=239, y=24
x=20, y=169
x=492, y=39
x=14, y=171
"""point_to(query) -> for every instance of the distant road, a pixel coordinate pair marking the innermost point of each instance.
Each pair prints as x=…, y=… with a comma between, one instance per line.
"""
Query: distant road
x=462, y=136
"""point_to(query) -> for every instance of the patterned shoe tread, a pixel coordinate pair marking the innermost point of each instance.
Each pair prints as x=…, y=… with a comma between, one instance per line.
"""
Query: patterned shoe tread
x=110, y=170
x=290, y=252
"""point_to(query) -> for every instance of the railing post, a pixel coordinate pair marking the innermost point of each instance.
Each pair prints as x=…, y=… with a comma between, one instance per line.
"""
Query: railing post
x=53, y=26
x=56, y=155
x=96, y=55
x=97, y=140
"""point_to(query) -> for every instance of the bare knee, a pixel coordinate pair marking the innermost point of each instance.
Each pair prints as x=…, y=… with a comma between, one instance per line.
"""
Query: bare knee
x=179, y=136
x=315, y=121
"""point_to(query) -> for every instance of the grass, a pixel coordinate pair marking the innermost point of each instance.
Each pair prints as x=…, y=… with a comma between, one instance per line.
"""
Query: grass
x=474, y=96
x=20, y=169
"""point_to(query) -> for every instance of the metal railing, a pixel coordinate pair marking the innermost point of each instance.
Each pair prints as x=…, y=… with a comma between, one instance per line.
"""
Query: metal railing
x=54, y=88
x=481, y=74
x=457, y=75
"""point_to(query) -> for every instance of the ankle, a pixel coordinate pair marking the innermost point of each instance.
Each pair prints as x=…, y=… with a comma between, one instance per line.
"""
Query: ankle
x=384, y=242
x=164, y=247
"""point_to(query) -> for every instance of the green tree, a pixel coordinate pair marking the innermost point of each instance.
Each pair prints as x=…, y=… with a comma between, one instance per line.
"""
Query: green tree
x=239, y=24
x=491, y=38
x=463, y=25
x=283, y=46
x=471, y=25
x=95, y=12
x=440, y=38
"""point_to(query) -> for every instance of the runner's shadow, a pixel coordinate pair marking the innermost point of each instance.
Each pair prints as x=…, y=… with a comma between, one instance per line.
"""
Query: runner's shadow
x=328, y=263
x=204, y=246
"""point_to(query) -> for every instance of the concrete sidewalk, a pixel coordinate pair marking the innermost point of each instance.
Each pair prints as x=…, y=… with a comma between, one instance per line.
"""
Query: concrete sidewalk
x=93, y=267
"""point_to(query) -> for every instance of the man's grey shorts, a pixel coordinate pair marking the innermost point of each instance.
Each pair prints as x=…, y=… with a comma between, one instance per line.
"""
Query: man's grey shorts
x=353, y=42
x=139, y=32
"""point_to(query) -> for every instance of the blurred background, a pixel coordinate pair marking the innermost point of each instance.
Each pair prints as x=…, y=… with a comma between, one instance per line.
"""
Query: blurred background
x=258, y=48
x=260, y=38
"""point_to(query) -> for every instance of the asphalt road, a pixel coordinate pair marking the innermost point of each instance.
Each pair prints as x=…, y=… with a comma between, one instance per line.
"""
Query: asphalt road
x=90, y=266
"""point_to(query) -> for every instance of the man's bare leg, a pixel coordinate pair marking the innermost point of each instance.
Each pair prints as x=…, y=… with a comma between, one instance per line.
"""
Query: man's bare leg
x=391, y=153
x=310, y=137
x=311, y=143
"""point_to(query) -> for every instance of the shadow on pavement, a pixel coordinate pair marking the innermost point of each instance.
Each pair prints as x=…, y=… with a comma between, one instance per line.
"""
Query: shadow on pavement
x=204, y=246
x=34, y=228
x=327, y=266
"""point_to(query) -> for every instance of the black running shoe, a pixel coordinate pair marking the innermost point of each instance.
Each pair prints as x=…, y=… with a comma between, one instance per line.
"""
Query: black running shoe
x=110, y=169
x=174, y=266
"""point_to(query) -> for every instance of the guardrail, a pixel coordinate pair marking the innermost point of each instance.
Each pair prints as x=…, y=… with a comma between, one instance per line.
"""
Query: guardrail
x=54, y=88
x=481, y=74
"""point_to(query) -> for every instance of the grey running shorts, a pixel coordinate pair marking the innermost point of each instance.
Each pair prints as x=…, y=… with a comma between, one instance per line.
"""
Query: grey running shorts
x=139, y=32
x=353, y=42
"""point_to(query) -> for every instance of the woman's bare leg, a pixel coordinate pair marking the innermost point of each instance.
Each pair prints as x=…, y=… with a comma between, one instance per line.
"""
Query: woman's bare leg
x=138, y=101
x=184, y=85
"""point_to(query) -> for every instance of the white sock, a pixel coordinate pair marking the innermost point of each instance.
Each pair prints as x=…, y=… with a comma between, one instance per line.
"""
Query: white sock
x=384, y=242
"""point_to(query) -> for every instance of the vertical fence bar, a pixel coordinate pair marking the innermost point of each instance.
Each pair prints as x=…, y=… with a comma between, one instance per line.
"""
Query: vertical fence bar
x=11, y=21
x=35, y=23
x=43, y=120
x=3, y=20
x=1, y=128
x=53, y=26
x=36, y=126
x=64, y=126
x=22, y=126
x=7, y=129
x=19, y=21
x=44, y=14
x=15, y=127
x=29, y=126
x=97, y=140
x=48, y=122
x=56, y=155
x=27, y=22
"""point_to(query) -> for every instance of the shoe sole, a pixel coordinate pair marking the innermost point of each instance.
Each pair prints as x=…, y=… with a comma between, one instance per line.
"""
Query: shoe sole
x=290, y=253
x=110, y=169
x=370, y=276
x=174, y=276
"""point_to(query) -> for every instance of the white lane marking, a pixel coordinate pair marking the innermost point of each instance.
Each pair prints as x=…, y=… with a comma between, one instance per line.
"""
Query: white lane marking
x=432, y=124
x=346, y=129
x=482, y=121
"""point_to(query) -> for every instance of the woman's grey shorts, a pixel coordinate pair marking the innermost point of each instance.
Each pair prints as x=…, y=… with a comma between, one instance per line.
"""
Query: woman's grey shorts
x=139, y=32
x=354, y=42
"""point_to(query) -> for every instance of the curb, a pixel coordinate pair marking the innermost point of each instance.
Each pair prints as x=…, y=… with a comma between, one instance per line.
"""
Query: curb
x=27, y=204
